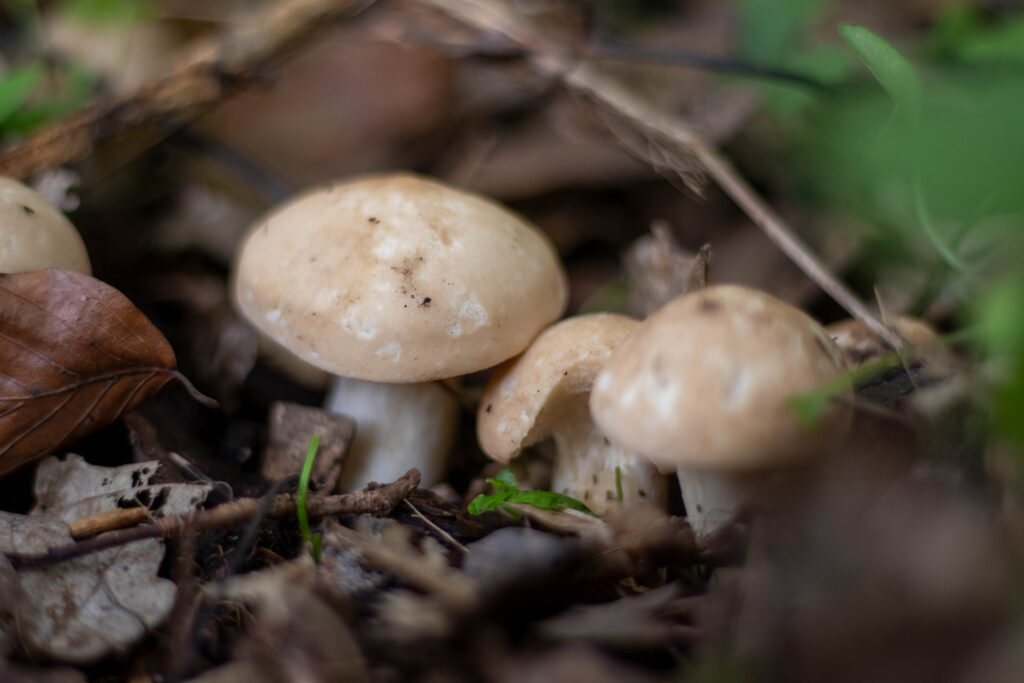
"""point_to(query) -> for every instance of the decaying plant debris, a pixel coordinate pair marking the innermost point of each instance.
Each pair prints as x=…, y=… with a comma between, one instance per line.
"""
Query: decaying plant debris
x=162, y=538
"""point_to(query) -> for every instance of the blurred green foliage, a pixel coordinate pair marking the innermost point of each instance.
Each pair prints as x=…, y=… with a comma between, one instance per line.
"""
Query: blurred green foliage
x=66, y=89
x=108, y=11
x=39, y=90
x=930, y=154
x=15, y=87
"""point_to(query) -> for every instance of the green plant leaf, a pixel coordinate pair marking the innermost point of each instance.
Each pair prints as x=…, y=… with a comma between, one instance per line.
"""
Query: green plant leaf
x=15, y=87
x=506, y=490
x=890, y=68
x=505, y=479
x=67, y=91
x=999, y=318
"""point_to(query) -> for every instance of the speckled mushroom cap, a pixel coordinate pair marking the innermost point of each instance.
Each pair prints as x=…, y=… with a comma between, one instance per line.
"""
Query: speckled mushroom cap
x=34, y=234
x=529, y=395
x=396, y=278
x=704, y=382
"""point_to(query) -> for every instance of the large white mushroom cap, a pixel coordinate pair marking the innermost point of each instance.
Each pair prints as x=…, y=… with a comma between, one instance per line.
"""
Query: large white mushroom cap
x=396, y=278
x=34, y=234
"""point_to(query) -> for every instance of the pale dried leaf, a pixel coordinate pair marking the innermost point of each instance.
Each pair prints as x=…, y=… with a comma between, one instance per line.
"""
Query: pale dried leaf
x=84, y=609
x=71, y=489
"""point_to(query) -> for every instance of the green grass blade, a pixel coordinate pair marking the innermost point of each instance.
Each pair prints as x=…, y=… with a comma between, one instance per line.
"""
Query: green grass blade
x=892, y=70
x=300, y=502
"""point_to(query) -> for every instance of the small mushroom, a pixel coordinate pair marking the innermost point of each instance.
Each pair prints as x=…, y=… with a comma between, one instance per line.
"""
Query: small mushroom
x=544, y=393
x=860, y=345
x=34, y=234
x=396, y=279
x=702, y=387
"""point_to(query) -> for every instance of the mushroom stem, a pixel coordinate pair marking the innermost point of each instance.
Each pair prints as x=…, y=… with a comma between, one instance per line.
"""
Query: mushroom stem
x=712, y=499
x=398, y=426
x=585, y=468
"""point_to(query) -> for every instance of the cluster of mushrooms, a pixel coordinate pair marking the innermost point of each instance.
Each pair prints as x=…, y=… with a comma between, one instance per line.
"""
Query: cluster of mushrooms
x=393, y=282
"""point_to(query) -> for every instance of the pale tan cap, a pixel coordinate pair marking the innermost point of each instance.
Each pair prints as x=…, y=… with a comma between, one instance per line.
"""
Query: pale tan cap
x=396, y=278
x=34, y=234
x=860, y=345
x=704, y=382
x=546, y=387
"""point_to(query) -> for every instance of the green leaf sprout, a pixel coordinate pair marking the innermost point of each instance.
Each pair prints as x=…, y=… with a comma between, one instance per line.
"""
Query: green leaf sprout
x=506, y=490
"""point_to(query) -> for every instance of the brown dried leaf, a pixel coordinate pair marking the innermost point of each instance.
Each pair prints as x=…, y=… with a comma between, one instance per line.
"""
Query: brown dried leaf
x=75, y=353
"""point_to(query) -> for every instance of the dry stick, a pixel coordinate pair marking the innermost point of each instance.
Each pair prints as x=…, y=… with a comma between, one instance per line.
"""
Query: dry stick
x=438, y=530
x=214, y=71
x=109, y=520
x=378, y=501
x=670, y=133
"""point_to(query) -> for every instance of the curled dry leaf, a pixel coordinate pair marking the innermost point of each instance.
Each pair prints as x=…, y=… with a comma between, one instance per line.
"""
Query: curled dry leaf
x=75, y=353
x=71, y=489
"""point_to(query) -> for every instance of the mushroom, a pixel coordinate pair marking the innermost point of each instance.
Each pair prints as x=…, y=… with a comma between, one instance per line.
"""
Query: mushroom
x=544, y=393
x=860, y=345
x=702, y=387
x=396, y=279
x=34, y=234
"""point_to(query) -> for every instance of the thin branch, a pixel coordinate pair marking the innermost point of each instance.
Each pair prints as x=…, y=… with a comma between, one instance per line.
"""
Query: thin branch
x=379, y=501
x=215, y=70
x=118, y=518
x=681, y=143
x=438, y=530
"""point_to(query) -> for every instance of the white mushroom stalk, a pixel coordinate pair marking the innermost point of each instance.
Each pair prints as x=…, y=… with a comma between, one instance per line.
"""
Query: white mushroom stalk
x=703, y=388
x=399, y=426
x=591, y=468
x=398, y=280
x=544, y=393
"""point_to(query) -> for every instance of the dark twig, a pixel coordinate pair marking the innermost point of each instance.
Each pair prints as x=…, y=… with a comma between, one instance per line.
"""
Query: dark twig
x=252, y=529
x=379, y=501
x=606, y=48
x=451, y=540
